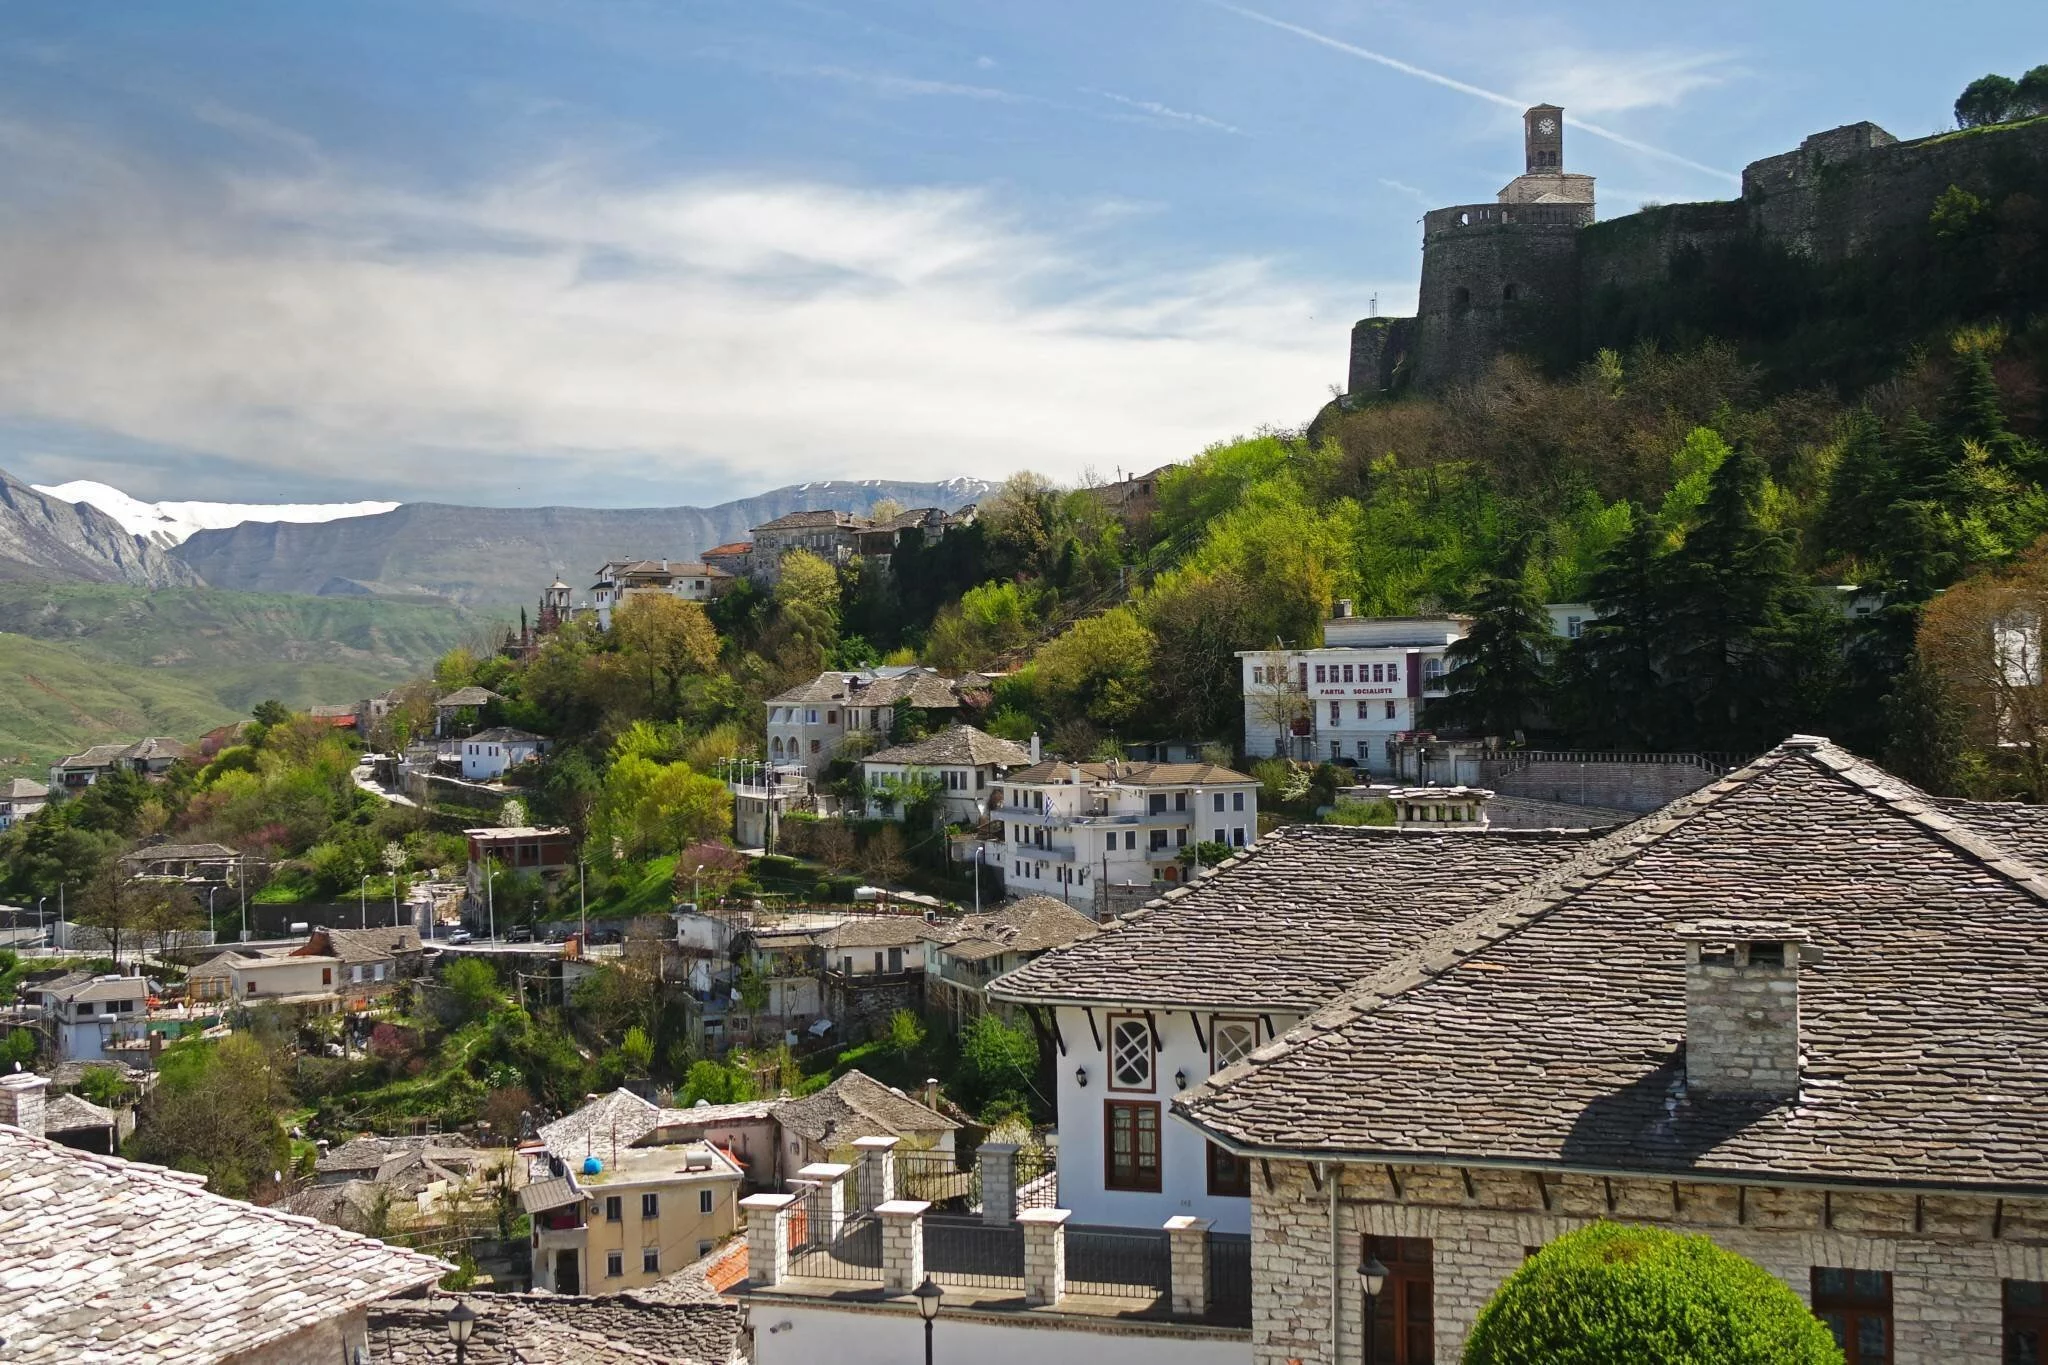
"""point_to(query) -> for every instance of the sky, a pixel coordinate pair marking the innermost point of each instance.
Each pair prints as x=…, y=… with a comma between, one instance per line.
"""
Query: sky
x=648, y=252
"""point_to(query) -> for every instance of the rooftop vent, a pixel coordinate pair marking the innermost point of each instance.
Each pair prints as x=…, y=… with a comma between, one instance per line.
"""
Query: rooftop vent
x=1742, y=1006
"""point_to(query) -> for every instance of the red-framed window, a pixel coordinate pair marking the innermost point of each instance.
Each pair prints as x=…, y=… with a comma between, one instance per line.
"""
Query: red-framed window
x=1130, y=1145
x=1857, y=1307
x=1403, y=1319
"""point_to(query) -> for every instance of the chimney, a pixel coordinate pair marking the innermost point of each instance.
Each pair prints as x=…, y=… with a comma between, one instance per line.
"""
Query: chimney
x=1034, y=746
x=1742, y=1006
x=21, y=1101
x=931, y=1093
x=1342, y=610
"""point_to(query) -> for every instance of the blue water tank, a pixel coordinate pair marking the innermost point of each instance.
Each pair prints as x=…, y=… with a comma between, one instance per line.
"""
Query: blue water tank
x=591, y=1165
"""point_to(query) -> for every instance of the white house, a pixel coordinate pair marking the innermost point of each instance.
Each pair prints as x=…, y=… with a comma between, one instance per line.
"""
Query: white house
x=1069, y=828
x=1163, y=997
x=488, y=753
x=21, y=797
x=1347, y=700
x=86, y=1013
x=623, y=579
x=965, y=763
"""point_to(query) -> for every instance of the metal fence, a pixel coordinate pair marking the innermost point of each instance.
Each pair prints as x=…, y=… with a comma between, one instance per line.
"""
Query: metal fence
x=939, y=1180
x=963, y=1250
x=1230, y=1279
x=824, y=1248
x=1038, y=1178
x=1119, y=1263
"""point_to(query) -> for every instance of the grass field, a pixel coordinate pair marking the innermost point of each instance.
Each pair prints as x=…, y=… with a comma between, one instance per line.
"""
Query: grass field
x=85, y=664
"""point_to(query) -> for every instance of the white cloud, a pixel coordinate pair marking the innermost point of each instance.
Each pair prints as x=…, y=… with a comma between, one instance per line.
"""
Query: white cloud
x=1403, y=188
x=1158, y=110
x=887, y=83
x=568, y=331
x=1616, y=82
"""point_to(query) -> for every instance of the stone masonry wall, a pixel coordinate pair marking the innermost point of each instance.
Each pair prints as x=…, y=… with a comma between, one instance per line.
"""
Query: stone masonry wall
x=1638, y=787
x=1946, y=1263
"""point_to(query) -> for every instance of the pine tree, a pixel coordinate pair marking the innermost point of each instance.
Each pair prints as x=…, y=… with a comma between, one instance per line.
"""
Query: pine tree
x=1864, y=484
x=1925, y=741
x=1739, y=619
x=1612, y=668
x=1498, y=675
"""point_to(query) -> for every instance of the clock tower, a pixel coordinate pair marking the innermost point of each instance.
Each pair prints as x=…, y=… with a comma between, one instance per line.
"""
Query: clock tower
x=1543, y=139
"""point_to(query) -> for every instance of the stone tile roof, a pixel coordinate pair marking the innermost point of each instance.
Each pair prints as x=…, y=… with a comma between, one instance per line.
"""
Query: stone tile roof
x=369, y=1153
x=959, y=745
x=179, y=853
x=504, y=734
x=918, y=687
x=857, y=1101
x=706, y=1280
x=69, y=1114
x=1137, y=773
x=539, y=1196
x=469, y=696
x=817, y=519
x=877, y=931
x=354, y=946
x=591, y=1130
x=70, y=988
x=23, y=789
x=156, y=746
x=1035, y=924
x=104, y=1259
x=1548, y=1029
x=1292, y=921
x=541, y=1329
x=72, y=1073
x=98, y=756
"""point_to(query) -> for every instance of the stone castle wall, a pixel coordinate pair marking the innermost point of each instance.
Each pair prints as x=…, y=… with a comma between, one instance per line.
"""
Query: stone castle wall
x=1947, y=1254
x=1639, y=786
x=1842, y=193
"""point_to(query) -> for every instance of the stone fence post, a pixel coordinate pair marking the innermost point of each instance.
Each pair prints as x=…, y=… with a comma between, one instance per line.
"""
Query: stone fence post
x=877, y=1171
x=902, y=1244
x=1045, y=1255
x=1188, y=1245
x=998, y=1161
x=829, y=1179
x=768, y=1236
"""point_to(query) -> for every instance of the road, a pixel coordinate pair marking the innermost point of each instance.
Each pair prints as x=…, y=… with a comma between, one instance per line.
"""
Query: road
x=370, y=785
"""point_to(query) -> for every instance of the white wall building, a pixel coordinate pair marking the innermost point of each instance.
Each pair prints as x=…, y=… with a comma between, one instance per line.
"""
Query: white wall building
x=1071, y=827
x=967, y=765
x=86, y=1013
x=1343, y=702
x=623, y=579
x=488, y=753
x=812, y=722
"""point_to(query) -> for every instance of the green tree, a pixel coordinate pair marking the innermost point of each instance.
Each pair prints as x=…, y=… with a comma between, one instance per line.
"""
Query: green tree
x=1200, y=620
x=1498, y=673
x=1100, y=668
x=715, y=1083
x=668, y=639
x=906, y=1033
x=807, y=608
x=2032, y=91
x=996, y=1064
x=214, y=1110
x=1615, y=1295
x=1925, y=732
x=1612, y=673
x=472, y=986
x=648, y=808
x=18, y=1049
x=636, y=1051
x=1988, y=99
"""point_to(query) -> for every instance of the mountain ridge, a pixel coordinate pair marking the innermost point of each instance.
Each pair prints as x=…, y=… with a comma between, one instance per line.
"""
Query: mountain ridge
x=172, y=522
x=48, y=540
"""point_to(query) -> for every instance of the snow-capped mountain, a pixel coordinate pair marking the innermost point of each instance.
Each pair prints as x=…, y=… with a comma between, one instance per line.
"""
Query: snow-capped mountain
x=165, y=524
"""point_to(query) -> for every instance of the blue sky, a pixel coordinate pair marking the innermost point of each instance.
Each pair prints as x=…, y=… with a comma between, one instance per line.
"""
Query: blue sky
x=621, y=252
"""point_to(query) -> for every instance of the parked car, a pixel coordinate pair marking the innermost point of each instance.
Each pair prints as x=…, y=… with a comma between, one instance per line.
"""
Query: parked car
x=458, y=936
x=519, y=933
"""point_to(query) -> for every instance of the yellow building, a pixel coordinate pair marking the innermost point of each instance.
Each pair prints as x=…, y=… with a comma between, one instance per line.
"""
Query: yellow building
x=630, y=1216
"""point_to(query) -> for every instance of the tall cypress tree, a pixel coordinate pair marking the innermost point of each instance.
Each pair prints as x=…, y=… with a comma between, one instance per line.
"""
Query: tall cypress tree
x=1740, y=618
x=1498, y=674
x=1612, y=671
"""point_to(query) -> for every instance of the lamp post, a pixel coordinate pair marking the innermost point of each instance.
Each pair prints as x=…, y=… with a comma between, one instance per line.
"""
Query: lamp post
x=928, y=1295
x=491, y=896
x=1372, y=1278
x=461, y=1322
x=980, y=849
x=363, y=900
x=211, y=891
x=41, y=928
x=582, y=909
x=697, y=889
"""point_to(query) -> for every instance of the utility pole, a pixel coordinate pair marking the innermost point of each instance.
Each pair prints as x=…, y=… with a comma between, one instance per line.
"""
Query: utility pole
x=363, y=901
x=582, y=910
x=490, y=897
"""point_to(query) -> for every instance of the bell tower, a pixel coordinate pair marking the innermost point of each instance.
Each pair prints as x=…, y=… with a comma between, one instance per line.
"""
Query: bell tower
x=1543, y=139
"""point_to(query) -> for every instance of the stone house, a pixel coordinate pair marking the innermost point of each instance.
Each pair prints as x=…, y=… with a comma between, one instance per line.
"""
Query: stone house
x=831, y=535
x=816, y=1127
x=621, y=580
x=1798, y=1011
x=1165, y=996
x=151, y=757
x=200, y=865
x=21, y=797
x=114, y=1260
x=966, y=763
x=373, y=961
x=978, y=948
x=813, y=723
x=296, y=978
x=488, y=754
x=874, y=965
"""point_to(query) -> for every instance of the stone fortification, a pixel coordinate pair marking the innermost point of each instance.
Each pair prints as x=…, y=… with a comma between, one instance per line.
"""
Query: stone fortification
x=1534, y=273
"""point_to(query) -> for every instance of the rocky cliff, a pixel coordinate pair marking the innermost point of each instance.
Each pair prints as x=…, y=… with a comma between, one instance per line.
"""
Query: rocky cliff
x=503, y=556
x=46, y=540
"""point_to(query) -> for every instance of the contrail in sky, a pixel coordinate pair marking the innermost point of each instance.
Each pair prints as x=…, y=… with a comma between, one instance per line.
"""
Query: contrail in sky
x=1464, y=88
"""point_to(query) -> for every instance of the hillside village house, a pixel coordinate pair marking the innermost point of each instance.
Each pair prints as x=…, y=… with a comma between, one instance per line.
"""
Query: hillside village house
x=21, y=797
x=545, y=850
x=1165, y=996
x=811, y=723
x=627, y=1216
x=191, y=864
x=86, y=1013
x=621, y=580
x=1798, y=1011
x=970, y=952
x=965, y=763
x=488, y=754
x=301, y=980
x=831, y=535
x=734, y=557
x=1348, y=700
x=150, y=758
x=115, y=1260
x=1070, y=828
x=455, y=713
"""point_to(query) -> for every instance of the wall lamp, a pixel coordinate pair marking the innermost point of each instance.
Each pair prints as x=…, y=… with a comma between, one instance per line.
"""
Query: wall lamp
x=1081, y=1077
x=1180, y=1080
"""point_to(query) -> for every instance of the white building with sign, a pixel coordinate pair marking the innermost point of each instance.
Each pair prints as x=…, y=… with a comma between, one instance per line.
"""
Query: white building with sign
x=1345, y=701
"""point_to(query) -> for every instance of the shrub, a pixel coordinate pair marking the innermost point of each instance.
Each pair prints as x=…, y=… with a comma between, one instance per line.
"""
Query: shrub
x=1615, y=1295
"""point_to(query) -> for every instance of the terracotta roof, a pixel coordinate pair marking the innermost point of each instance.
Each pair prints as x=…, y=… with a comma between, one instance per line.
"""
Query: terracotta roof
x=548, y=1329
x=961, y=745
x=1035, y=924
x=104, y=1259
x=857, y=1105
x=1293, y=920
x=733, y=547
x=1135, y=774
x=1548, y=1029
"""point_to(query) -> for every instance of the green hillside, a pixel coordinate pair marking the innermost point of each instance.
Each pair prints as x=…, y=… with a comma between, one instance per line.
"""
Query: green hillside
x=86, y=664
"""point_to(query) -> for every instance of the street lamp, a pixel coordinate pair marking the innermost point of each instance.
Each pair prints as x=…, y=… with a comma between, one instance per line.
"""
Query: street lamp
x=461, y=1322
x=1372, y=1278
x=698, y=889
x=928, y=1295
x=363, y=900
x=980, y=849
x=42, y=929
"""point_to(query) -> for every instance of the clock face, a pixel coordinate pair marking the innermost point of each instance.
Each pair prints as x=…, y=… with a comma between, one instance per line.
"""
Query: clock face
x=1546, y=126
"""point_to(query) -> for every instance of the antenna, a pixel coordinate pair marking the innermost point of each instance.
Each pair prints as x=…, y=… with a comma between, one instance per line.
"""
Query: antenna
x=1372, y=309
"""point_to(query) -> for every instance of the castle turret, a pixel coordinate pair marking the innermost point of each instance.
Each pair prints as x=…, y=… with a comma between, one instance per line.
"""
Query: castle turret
x=1543, y=139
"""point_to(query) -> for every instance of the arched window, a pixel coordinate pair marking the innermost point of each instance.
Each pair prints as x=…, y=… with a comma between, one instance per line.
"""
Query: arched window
x=1507, y=293
x=775, y=746
x=1461, y=298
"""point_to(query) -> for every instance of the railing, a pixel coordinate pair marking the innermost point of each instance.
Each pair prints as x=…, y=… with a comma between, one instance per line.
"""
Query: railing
x=1118, y=1263
x=939, y=1180
x=1230, y=1279
x=822, y=1248
x=1716, y=762
x=964, y=1250
x=1038, y=1179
